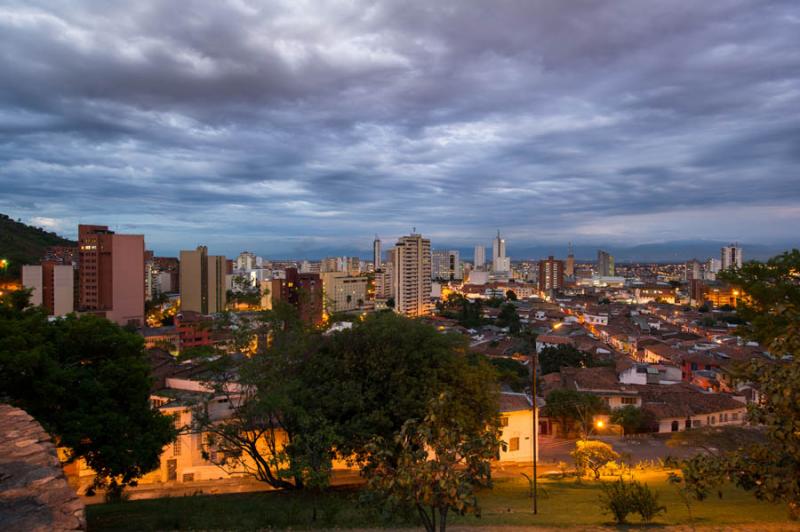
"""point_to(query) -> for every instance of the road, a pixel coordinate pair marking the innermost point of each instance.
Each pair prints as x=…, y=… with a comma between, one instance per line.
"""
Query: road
x=551, y=451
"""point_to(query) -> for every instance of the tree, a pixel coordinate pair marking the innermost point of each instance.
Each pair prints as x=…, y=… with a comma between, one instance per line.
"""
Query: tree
x=434, y=465
x=87, y=381
x=771, y=309
x=511, y=373
x=592, y=455
x=552, y=359
x=511, y=295
x=273, y=429
x=384, y=371
x=631, y=418
x=570, y=407
x=508, y=317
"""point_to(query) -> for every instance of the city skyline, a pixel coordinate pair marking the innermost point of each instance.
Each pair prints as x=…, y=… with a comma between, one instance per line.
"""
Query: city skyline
x=297, y=131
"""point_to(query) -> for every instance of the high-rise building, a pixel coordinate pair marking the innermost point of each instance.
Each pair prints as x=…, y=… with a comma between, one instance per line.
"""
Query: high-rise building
x=480, y=257
x=446, y=265
x=551, y=274
x=342, y=292
x=569, y=268
x=411, y=278
x=111, y=274
x=692, y=270
x=605, y=264
x=301, y=290
x=246, y=261
x=500, y=263
x=376, y=254
x=731, y=257
x=711, y=268
x=384, y=278
x=203, y=281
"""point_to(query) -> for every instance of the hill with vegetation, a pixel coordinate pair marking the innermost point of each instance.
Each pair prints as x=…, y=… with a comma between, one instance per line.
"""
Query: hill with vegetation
x=24, y=244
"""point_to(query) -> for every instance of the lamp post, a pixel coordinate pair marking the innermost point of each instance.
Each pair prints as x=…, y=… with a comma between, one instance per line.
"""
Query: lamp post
x=535, y=407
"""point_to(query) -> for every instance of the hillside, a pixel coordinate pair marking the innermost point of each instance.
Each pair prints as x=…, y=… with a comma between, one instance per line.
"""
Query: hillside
x=24, y=244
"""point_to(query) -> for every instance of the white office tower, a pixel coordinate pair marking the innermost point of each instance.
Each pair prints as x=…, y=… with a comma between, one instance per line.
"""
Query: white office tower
x=376, y=253
x=480, y=257
x=712, y=268
x=246, y=261
x=411, y=278
x=446, y=265
x=692, y=270
x=605, y=264
x=731, y=257
x=500, y=263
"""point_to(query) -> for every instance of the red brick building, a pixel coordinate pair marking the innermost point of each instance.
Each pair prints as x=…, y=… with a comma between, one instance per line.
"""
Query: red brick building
x=301, y=290
x=111, y=274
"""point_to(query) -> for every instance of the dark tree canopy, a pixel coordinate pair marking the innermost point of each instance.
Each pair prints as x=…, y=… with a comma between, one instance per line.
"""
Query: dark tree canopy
x=552, y=359
x=385, y=370
x=87, y=381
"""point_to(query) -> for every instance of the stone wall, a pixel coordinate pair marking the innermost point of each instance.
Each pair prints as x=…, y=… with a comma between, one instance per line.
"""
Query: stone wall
x=34, y=494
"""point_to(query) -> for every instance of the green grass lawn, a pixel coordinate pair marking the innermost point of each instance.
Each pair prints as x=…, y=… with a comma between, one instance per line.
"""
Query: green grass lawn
x=565, y=504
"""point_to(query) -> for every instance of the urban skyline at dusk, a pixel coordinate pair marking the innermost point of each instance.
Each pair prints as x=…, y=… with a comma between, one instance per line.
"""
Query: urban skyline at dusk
x=300, y=131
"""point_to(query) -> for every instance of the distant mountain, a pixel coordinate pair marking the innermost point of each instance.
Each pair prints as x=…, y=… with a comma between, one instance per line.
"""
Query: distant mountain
x=673, y=251
x=24, y=244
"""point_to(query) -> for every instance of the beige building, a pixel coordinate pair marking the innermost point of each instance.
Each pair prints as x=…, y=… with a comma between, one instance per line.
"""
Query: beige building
x=383, y=279
x=202, y=281
x=53, y=287
x=342, y=292
x=411, y=277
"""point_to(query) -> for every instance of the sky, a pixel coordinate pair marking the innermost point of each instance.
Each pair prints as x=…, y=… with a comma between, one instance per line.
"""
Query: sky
x=299, y=129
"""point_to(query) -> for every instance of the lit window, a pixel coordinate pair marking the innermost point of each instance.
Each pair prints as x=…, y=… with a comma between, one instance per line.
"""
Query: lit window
x=503, y=421
x=513, y=444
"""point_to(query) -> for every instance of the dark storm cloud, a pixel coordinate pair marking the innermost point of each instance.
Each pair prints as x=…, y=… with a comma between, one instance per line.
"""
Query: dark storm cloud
x=286, y=126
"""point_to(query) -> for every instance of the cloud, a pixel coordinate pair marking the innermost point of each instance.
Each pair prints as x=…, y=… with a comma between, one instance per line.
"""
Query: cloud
x=293, y=126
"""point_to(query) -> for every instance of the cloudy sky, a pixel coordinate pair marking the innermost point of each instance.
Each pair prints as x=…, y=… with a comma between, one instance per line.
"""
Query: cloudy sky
x=300, y=128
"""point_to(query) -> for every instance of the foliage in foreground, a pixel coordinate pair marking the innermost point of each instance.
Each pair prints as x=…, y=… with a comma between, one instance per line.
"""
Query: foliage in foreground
x=621, y=498
x=308, y=397
x=770, y=469
x=87, y=381
x=435, y=466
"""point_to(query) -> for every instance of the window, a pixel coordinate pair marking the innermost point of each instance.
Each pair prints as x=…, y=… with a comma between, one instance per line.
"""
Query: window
x=176, y=447
x=675, y=426
x=713, y=420
x=735, y=416
x=628, y=400
x=513, y=444
x=503, y=421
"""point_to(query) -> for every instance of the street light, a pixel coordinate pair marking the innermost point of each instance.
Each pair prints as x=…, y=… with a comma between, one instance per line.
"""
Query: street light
x=534, y=361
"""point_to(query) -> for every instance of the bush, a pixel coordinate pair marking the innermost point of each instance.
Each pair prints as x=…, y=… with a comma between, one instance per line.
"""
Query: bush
x=621, y=498
x=617, y=500
x=645, y=501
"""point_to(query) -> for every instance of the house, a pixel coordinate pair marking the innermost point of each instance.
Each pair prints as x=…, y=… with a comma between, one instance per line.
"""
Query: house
x=550, y=340
x=683, y=406
x=516, y=426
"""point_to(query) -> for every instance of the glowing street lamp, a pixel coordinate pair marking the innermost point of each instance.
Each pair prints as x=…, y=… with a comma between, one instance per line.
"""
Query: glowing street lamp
x=599, y=424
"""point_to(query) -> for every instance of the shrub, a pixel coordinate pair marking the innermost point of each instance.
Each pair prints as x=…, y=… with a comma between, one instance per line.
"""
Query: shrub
x=645, y=501
x=621, y=498
x=617, y=500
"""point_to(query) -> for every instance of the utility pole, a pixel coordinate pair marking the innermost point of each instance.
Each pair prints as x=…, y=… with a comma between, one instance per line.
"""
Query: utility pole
x=534, y=360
